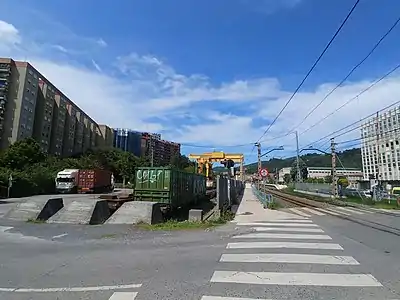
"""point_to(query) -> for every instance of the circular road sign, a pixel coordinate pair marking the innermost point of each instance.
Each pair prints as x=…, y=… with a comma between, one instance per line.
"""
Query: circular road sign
x=264, y=172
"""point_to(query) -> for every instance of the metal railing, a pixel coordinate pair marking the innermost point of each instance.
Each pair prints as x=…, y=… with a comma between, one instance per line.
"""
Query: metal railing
x=264, y=198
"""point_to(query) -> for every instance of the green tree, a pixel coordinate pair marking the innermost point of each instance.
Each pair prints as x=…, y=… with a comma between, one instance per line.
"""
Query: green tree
x=287, y=178
x=344, y=182
x=22, y=154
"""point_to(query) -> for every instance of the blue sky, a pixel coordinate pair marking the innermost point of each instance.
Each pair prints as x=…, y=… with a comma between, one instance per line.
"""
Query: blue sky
x=212, y=72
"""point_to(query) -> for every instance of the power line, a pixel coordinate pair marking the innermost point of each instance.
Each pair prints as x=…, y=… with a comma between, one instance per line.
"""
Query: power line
x=368, y=138
x=352, y=99
x=312, y=68
x=351, y=72
x=346, y=103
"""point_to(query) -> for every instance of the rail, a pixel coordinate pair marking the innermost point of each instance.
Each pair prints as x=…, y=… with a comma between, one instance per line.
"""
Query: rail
x=313, y=204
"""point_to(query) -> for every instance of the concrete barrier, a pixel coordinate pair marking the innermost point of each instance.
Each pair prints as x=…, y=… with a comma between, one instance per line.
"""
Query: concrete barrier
x=135, y=212
x=85, y=211
x=38, y=208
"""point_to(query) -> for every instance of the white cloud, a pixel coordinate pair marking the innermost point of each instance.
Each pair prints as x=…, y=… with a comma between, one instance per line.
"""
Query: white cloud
x=191, y=109
x=96, y=65
x=9, y=36
x=60, y=48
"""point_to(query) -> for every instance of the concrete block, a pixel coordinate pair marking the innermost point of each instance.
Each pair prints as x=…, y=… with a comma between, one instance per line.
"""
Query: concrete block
x=35, y=208
x=84, y=211
x=195, y=215
x=135, y=212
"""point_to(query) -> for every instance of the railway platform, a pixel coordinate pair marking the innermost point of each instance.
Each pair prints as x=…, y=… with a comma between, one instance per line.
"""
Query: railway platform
x=251, y=210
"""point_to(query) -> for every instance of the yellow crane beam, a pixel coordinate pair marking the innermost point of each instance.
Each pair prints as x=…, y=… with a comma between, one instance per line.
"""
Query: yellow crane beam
x=207, y=159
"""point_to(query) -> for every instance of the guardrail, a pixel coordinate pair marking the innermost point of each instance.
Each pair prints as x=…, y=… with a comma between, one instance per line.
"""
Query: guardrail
x=263, y=197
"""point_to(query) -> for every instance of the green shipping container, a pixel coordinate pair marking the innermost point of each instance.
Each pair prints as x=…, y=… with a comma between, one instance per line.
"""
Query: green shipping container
x=169, y=186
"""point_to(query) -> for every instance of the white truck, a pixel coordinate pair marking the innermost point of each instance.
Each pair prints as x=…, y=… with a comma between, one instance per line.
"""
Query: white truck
x=67, y=181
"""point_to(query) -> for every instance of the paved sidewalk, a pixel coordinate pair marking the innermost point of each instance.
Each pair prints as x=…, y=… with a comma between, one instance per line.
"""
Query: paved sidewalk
x=251, y=210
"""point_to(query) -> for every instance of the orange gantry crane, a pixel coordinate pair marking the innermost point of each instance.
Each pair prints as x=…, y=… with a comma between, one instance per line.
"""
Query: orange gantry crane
x=207, y=159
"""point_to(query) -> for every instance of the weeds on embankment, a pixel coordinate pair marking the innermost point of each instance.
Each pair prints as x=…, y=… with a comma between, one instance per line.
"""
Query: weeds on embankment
x=187, y=225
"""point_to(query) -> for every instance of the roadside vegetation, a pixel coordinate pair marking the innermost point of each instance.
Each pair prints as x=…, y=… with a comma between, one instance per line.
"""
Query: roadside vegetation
x=33, y=172
x=187, y=225
x=384, y=204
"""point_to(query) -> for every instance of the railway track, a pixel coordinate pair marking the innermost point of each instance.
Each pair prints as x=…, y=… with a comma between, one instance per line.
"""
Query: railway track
x=324, y=207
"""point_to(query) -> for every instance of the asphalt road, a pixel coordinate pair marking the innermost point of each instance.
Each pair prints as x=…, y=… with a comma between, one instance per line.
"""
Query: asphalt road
x=52, y=261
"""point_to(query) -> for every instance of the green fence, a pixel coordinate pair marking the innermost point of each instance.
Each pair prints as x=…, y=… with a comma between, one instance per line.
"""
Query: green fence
x=264, y=198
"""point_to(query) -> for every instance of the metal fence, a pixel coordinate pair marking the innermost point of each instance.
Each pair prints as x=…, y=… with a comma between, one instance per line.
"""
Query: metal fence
x=264, y=198
x=321, y=188
x=228, y=192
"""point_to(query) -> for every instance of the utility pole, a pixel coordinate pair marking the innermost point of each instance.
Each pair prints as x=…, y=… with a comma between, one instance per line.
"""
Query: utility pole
x=299, y=178
x=334, y=175
x=258, y=145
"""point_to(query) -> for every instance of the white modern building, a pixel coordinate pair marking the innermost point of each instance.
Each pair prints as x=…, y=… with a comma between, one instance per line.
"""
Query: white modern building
x=281, y=174
x=353, y=175
x=380, y=149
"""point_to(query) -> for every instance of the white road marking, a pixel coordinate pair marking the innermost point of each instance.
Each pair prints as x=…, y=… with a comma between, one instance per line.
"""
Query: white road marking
x=299, y=212
x=329, y=212
x=287, y=229
x=283, y=236
x=302, y=220
x=123, y=296
x=286, y=245
x=350, y=210
x=59, y=236
x=313, y=211
x=289, y=258
x=228, y=298
x=306, y=279
x=279, y=224
x=72, y=289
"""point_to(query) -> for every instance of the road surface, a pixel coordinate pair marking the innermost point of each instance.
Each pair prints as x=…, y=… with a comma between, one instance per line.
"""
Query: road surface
x=264, y=255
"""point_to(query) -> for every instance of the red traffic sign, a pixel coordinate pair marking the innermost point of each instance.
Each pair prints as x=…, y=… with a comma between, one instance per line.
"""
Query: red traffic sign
x=264, y=172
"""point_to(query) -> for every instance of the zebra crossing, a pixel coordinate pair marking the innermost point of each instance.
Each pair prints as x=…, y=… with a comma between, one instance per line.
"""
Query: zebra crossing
x=123, y=296
x=295, y=244
x=331, y=210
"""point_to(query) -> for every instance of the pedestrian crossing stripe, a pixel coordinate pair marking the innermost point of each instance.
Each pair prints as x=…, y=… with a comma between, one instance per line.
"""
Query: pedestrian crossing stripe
x=289, y=258
x=123, y=296
x=295, y=279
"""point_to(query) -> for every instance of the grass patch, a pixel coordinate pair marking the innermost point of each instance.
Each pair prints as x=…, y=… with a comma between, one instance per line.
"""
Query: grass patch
x=274, y=205
x=186, y=225
x=35, y=221
x=385, y=203
x=108, y=236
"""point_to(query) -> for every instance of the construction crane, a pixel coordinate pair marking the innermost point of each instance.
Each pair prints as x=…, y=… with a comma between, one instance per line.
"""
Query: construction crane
x=207, y=159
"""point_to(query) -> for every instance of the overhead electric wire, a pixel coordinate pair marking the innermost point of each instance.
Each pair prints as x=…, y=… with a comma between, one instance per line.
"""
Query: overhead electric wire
x=312, y=68
x=369, y=138
x=352, y=99
x=346, y=103
x=350, y=73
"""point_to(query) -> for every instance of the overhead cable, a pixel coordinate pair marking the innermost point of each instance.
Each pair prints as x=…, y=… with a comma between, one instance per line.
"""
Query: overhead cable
x=350, y=73
x=312, y=68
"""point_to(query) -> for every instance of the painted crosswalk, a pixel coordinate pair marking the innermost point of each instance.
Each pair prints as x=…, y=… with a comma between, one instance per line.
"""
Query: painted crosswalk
x=331, y=210
x=294, y=245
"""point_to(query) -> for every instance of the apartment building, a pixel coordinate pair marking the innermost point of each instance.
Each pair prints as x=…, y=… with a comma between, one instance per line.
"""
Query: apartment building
x=353, y=175
x=380, y=148
x=128, y=140
x=31, y=106
x=104, y=137
x=21, y=93
x=145, y=144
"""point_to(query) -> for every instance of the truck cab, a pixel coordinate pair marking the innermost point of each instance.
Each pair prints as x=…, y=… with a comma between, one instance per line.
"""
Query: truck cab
x=67, y=181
